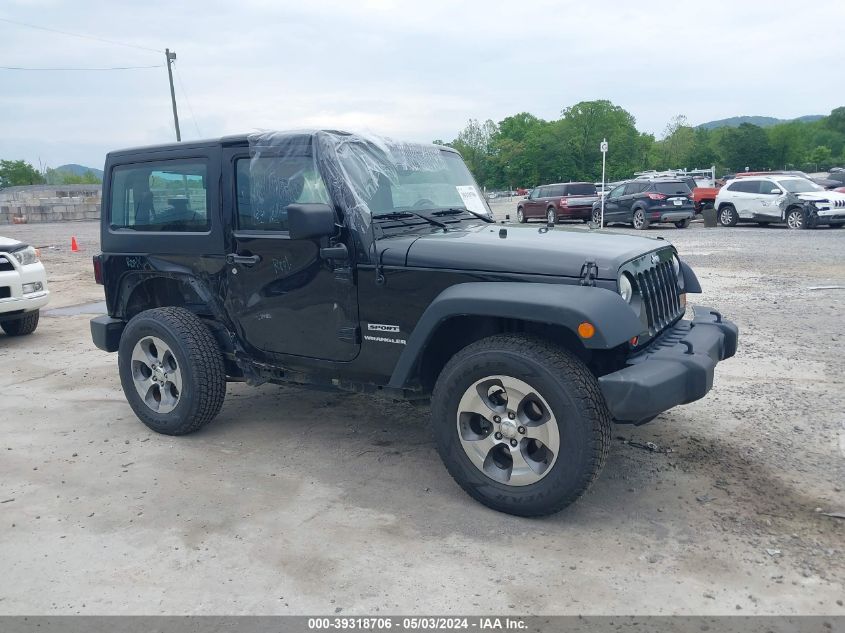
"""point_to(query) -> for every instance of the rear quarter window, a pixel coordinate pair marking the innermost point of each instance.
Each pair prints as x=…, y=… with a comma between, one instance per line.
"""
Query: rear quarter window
x=166, y=196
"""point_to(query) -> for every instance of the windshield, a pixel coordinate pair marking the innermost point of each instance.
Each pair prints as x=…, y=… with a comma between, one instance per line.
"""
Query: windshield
x=584, y=189
x=799, y=185
x=441, y=180
x=671, y=188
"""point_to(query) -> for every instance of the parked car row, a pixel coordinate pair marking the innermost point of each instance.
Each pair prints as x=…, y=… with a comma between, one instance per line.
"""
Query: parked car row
x=640, y=202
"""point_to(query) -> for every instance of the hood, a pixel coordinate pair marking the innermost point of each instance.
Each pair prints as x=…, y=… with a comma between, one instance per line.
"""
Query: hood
x=523, y=250
x=7, y=242
x=821, y=195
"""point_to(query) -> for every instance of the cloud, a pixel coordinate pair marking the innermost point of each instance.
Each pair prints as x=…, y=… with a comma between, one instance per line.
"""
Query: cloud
x=415, y=70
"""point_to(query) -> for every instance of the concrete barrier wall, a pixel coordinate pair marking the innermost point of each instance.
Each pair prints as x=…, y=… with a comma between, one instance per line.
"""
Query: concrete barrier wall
x=50, y=203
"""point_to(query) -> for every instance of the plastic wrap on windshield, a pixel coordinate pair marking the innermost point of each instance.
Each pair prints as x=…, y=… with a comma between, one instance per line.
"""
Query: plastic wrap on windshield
x=349, y=170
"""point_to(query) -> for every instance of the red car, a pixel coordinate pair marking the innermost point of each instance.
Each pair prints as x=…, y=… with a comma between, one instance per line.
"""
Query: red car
x=561, y=201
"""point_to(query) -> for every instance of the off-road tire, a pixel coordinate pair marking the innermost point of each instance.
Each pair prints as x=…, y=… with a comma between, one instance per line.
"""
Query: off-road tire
x=520, y=215
x=728, y=215
x=199, y=359
x=642, y=223
x=572, y=393
x=682, y=224
x=22, y=326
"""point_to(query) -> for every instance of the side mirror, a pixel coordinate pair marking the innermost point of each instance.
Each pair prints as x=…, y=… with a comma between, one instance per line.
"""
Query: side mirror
x=309, y=220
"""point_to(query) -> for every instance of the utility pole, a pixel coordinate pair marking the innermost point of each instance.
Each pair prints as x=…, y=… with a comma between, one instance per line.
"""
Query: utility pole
x=171, y=57
x=603, y=149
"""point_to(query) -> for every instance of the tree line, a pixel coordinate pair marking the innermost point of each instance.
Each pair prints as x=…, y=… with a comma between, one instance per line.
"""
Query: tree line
x=523, y=150
x=19, y=172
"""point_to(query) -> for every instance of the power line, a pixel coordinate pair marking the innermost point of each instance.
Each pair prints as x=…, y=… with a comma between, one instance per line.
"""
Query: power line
x=80, y=69
x=188, y=101
x=85, y=37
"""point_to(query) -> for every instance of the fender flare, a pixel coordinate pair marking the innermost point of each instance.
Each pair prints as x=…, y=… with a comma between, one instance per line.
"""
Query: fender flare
x=556, y=304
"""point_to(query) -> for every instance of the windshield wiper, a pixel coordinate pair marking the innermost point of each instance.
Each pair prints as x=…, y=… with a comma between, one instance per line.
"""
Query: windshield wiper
x=458, y=211
x=398, y=215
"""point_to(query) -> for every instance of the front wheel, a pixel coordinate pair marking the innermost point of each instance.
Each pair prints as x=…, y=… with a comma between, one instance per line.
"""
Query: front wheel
x=682, y=224
x=520, y=424
x=640, y=221
x=171, y=370
x=596, y=216
x=796, y=219
x=520, y=216
x=21, y=326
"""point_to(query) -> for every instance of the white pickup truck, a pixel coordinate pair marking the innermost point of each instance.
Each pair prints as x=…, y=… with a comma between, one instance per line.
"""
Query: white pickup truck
x=23, y=287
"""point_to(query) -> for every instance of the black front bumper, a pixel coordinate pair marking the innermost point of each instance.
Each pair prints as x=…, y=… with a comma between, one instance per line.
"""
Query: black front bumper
x=676, y=368
x=106, y=331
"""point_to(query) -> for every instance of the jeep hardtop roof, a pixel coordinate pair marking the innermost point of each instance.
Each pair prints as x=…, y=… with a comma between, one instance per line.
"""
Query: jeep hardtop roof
x=235, y=140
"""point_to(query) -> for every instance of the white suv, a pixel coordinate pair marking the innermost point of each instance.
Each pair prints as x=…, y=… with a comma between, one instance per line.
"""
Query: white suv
x=799, y=202
x=23, y=287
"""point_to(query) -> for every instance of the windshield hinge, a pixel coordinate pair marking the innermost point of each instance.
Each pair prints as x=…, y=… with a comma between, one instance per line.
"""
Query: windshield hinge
x=589, y=273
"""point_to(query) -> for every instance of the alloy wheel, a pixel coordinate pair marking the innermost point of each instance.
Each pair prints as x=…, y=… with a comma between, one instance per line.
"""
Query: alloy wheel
x=156, y=374
x=795, y=219
x=508, y=430
x=551, y=216
x=639, y=219
x=726, y=217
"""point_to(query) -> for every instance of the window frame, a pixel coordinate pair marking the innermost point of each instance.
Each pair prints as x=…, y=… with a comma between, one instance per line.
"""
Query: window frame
x=235, y=211
x=209, y=199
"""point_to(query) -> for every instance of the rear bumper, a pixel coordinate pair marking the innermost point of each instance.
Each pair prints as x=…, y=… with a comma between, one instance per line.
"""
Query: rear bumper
x=675, y=369
x=106, y=331
x=575, y=213
x=672, y=215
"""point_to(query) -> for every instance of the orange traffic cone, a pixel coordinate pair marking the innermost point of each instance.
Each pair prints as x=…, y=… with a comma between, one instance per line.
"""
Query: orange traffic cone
x=74, y=246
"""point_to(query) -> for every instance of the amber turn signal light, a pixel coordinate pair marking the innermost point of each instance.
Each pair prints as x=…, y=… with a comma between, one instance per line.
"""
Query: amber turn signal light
x=586, y=330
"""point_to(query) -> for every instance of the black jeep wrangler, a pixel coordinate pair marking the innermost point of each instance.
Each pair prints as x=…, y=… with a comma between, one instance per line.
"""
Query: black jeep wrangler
x=355, y=262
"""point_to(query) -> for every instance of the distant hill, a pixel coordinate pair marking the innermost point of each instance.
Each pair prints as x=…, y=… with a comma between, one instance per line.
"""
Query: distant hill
x=80, y=170
x=762, y=121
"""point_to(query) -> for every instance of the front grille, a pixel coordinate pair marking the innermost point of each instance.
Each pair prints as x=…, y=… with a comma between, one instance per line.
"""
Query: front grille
x=659, y=290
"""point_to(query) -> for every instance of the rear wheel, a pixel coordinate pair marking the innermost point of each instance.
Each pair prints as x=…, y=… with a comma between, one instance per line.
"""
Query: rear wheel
x=728, y=215
x=682, y=224
x=639, y=220
x=551, y=215
x=171, y=370
x=21, y=326
x=520, y=424
x=520, y=215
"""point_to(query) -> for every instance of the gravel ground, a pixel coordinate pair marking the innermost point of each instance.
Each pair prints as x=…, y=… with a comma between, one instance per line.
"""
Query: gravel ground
x=307, y=502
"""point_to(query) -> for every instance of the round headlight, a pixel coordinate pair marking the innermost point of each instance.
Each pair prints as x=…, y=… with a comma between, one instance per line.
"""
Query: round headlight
x=625, y=287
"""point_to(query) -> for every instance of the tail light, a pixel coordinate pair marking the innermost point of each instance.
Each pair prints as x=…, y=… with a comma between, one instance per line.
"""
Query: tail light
x=563, y=203
x=657, y=196
x=98, y=269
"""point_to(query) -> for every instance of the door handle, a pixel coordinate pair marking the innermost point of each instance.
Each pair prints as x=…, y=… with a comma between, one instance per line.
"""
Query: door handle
x=246, y=260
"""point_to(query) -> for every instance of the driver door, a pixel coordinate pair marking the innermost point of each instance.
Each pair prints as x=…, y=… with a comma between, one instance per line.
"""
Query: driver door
x=612, y=209
x=283, y=297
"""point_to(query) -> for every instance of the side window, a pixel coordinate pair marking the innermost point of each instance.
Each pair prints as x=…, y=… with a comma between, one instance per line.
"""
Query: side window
x=633, y=187
x=767, y=186
x=161, y=196
x=746, y=186
x=266, y=185
x=557, y=190
x=616, y=191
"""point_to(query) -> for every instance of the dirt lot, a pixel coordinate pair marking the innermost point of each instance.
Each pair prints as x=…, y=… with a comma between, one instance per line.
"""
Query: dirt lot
x=307, y=502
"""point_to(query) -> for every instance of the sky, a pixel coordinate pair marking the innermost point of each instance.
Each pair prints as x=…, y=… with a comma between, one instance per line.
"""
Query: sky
x=416, y=70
